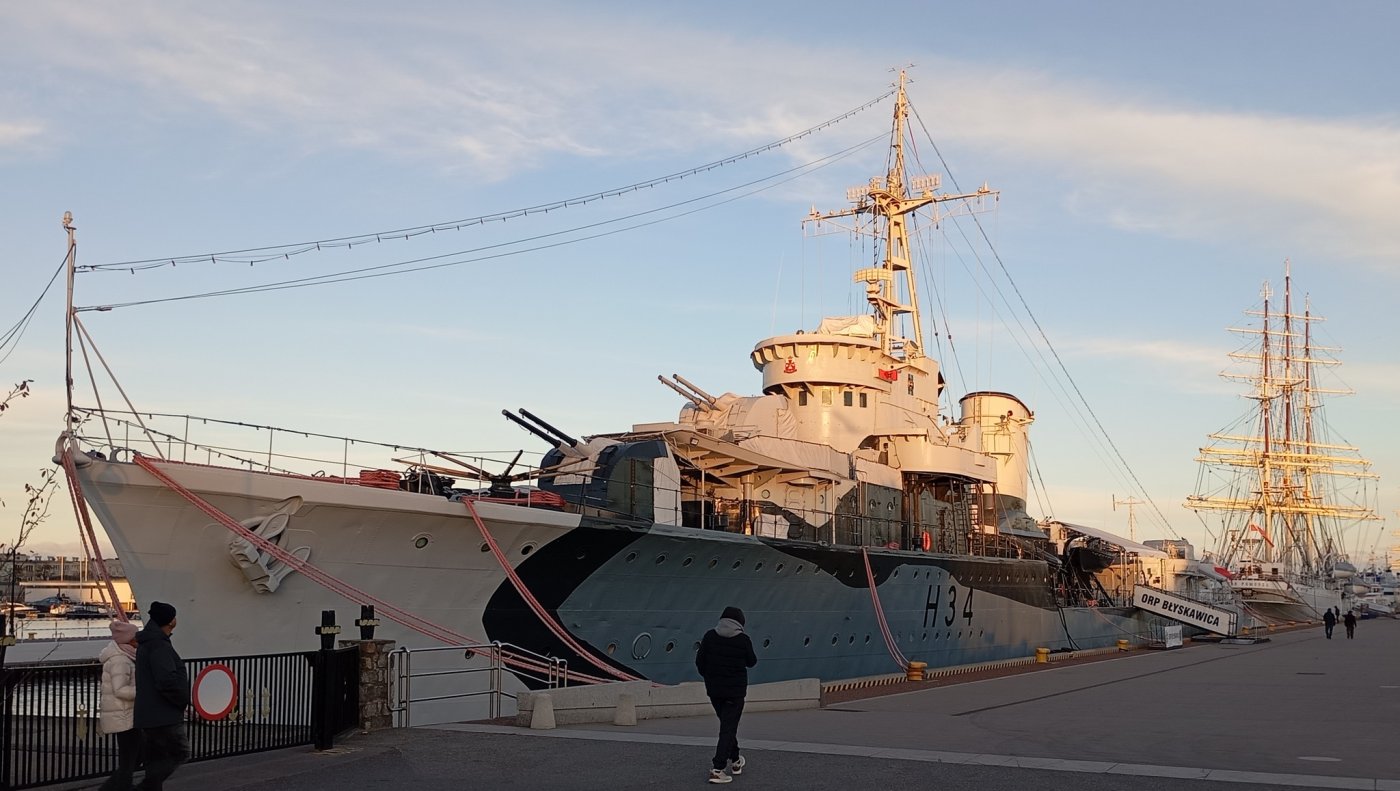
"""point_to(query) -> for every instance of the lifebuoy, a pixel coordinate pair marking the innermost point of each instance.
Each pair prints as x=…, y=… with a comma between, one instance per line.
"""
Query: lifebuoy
x=926, y=541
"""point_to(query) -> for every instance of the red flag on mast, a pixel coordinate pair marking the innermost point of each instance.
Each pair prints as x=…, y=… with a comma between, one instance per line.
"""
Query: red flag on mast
x=1260, y=531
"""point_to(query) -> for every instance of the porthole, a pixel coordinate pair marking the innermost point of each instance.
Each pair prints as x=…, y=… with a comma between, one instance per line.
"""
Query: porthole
x=670, y=646
x=867, y=639
x=688, y=560
x=714, y=562
x=778, y=568
x=800, y=567
x=851, y=641
x=806, y=641
x=834, y=638
x=696, y=646
x=896, y=573
x=765, y=494
x=485, y=547
x=422, y=540
x=737, y=564
x=612, y=648
x=660, y=559
x=641, y=646
x=631, y=556
x=527, y=549
x=580, y=556
x=767, y=642
x=925, y=635
x=758, y=566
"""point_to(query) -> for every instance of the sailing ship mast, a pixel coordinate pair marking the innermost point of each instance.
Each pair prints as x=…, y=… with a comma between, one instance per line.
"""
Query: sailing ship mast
x=1283, y=509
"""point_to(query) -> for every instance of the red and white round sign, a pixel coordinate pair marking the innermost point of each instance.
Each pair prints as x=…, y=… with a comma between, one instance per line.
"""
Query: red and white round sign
x=215, y=692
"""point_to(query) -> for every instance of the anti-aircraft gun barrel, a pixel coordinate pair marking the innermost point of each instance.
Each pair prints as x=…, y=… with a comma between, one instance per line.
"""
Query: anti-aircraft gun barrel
x=561, y=436
x=692, y=398
x=709, y=399
x=528, y=427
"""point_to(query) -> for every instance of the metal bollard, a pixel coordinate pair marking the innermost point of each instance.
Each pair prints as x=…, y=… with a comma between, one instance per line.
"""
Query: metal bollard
x=367, y=622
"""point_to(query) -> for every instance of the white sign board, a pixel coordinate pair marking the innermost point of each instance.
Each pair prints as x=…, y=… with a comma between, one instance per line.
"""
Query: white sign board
x=1187, y=611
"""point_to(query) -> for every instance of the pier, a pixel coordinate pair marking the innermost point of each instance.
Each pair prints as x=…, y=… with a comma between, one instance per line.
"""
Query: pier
x=1297, y=711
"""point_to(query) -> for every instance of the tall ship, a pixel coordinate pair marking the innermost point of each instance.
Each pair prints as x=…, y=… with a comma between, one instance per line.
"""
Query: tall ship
x=1286, y=490
x=858, y=526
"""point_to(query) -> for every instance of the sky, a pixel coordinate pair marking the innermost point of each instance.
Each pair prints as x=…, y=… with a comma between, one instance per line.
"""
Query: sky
x=1157, y=164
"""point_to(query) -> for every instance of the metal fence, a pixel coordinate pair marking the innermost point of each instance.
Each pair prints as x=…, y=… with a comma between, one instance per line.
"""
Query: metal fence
x=49, y=729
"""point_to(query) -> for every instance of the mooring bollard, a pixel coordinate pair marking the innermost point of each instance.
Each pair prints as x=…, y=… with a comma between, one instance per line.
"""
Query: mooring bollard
x=1042, y=656
x=542, y=719
x=367, y=622
x=626, y=712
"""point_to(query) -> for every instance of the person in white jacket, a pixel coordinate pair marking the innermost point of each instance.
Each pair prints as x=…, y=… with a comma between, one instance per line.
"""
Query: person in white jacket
x=119, y=701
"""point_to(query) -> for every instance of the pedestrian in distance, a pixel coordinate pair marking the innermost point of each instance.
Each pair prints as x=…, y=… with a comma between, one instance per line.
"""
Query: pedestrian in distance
x=162, y=695
x=1329, y=622
x=725, y=656
x=1350, y=621
x=118, y=702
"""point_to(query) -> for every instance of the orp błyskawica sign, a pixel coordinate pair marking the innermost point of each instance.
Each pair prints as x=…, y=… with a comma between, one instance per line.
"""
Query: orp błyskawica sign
x=1187, y=611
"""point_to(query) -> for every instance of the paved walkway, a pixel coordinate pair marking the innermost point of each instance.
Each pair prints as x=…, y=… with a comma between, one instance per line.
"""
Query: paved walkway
x=1296, y=712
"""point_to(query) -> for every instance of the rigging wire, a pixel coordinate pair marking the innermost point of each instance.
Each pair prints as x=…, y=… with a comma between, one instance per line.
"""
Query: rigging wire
x=1044, y=338
x=253, y=255
x=12, y=336
x=366, y=273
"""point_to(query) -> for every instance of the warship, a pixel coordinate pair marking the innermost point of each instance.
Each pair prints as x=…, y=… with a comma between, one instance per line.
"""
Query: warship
x=860, y=526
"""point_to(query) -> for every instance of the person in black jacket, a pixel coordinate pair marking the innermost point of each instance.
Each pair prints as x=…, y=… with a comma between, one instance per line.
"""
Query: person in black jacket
x=1349, y=620
x=724, y=659
x=162, y=695
x=1329, y=622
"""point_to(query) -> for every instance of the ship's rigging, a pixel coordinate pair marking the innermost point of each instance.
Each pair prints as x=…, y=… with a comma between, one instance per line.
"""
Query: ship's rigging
x=1277, y=487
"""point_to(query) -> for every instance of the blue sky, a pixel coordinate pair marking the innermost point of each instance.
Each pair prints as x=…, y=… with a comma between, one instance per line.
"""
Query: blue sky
x=1157, y=164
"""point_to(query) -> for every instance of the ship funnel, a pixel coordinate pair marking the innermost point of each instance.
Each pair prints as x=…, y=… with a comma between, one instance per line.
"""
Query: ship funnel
x=559, y=435
x=1004, y=423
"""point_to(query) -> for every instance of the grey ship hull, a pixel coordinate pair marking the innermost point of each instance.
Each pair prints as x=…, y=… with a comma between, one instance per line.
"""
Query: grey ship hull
x=636, y=596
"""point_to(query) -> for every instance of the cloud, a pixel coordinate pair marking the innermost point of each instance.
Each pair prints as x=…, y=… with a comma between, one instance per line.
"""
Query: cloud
x=499, y=90
x=1188, y=171
x=16, y=133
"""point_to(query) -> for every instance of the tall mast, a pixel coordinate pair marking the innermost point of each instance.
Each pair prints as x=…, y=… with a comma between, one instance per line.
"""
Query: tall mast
x=889, y=201
x=68, y=321
x=1284, y=473
x=1266, y=494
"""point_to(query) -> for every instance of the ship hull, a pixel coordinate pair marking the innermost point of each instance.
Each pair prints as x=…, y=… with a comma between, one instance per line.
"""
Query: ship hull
x=637, y=597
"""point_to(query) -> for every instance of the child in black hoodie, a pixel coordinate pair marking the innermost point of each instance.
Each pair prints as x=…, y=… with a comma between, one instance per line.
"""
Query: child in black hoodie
x=724, y=659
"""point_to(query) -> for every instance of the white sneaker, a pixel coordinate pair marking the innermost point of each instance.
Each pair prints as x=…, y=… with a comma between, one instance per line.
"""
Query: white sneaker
x=718, y=776
x=737, y=767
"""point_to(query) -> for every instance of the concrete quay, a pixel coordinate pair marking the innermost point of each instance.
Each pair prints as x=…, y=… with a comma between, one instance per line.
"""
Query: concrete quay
x=1298, y=711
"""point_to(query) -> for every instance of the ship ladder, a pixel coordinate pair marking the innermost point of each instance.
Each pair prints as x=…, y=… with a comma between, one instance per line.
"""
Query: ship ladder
x=344, y=589
x=890, y=642
x=538, y=609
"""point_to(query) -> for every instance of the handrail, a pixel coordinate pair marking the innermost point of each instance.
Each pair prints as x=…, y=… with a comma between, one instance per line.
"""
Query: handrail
x=555, y=675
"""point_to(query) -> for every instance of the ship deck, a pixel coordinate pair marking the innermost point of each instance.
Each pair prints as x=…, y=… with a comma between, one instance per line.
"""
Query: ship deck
x=1296, y=711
